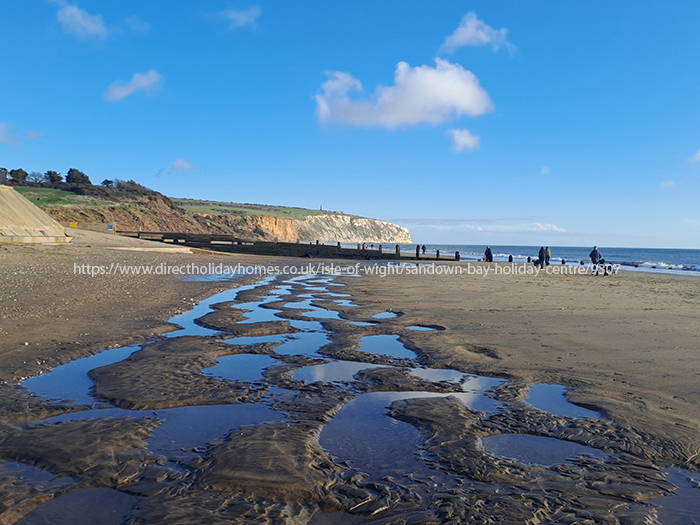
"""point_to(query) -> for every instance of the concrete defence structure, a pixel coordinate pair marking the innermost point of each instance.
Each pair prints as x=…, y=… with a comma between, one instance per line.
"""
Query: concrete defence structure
x=23, y=222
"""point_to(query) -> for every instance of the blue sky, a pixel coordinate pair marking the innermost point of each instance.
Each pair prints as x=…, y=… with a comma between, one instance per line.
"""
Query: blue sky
x=499, y=122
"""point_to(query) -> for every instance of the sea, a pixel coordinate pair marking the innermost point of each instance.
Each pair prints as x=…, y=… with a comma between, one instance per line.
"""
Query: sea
x=656, y=260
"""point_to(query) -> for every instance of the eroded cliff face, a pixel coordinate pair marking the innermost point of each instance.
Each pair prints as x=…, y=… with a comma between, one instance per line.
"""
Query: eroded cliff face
x=256, y=227
x=152, y=213
x=351, y=229
x=157, y=213
x=330, y=228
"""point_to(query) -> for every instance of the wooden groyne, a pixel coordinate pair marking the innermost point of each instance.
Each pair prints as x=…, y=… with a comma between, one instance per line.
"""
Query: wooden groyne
x=232, y=244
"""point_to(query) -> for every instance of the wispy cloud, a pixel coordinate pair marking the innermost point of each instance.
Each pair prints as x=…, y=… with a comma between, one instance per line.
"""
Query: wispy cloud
x=695, y=158
x=494, y=226
x=80, y=23
x=462, y=140
x=34, y=134
x=181, y=165
x=669, y=185
x=475, y=32
x=148, y=82
x=242, y=17
x=695, y=223
x=135, y=24
x=422, y=94
x=544, y=171
x=7, y=137
x=10, y=138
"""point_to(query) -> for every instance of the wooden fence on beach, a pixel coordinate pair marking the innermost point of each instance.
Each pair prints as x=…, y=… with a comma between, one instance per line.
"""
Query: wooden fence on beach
x=230, y=243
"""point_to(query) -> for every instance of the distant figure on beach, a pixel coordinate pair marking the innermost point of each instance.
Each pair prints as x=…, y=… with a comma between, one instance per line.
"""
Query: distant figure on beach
x=423, y=249
x=547, y=255
x=488, y=255
x=542, y=256
x=437, y=255
x=529, y=259
x=510, y=258
x=398, y=250
x=417, y=251
x=457, y=256
x=563, y=261
x=596, y=259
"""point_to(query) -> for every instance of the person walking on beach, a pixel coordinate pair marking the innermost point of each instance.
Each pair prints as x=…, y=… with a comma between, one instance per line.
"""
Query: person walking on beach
x=488, y=255
x=542, y=256
x=595, y=259
x=423, y=249
x=417, y=251
x=547, y=255
x=457, y=256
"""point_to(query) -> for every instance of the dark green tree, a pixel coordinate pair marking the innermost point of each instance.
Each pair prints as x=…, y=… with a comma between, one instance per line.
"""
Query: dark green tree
x=108, y=183
x=75, y=176
x=3, y=175
x=19, y=175
x=53, y=177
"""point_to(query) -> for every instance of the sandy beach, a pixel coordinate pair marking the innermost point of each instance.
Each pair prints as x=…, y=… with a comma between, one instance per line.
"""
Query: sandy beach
x=625, y=346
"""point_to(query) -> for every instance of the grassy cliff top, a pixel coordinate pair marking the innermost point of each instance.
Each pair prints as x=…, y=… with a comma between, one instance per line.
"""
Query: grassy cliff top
x=234, y=208
x=48, y=198
x=55, y=198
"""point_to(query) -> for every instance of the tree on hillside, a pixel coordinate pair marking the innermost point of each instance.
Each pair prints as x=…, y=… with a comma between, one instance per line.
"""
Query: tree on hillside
x=3, y=175
x=37, y=177
x=19, y=175
x=75, y=176
x=108, y=183
x=53, y=177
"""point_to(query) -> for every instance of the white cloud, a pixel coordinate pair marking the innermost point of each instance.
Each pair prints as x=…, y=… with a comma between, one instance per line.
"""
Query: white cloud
x=693, y=222
x=240, y=18
x=148, y=82
x=668, y=184
x=474, y=32
x=544, y=171
x=494, y=226
x=420, y=94
x=462, y=139
x=695, y=158
x=6, y=136
x=137, y=25
x=181, y=165
x=75, y=21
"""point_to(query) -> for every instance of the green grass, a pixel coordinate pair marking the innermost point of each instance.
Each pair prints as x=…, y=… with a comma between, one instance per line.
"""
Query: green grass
x=233, y=208
x=53, y=198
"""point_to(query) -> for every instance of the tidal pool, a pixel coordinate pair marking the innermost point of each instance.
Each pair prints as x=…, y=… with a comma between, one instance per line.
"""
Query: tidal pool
x=70, y=381
x=552, y=399
x=184, y=428
x=387, y=345
x=364, y=435
x=341, y=371
x=83, y=507
x=683, y=508
x=385, y=315
x=536, y=450
x=439, y=374
x=305, y=343
x=240, y=367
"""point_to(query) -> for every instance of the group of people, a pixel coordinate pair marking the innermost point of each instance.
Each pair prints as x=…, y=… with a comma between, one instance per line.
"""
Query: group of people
x=543, y=256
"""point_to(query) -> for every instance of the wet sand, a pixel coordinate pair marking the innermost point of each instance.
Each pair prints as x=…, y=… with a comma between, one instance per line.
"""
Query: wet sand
x=625, y=346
